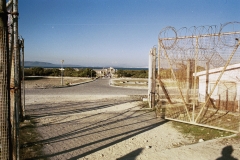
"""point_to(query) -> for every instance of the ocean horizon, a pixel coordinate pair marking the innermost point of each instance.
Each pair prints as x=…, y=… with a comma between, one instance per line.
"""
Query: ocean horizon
x=79, y=67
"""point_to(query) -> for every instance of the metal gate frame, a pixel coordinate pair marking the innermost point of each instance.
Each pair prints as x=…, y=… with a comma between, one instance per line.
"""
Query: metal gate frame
x=193, y=112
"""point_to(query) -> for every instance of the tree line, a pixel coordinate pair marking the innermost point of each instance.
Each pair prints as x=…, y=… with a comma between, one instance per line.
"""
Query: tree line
x=68, y=72
x=87, y=72
x=132, y=73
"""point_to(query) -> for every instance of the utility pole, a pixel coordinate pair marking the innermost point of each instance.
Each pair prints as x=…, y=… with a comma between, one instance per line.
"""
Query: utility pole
x=62, y=72
x=4, y=85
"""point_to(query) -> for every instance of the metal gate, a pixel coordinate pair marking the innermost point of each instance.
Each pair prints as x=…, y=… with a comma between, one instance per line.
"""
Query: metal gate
x=199, y=75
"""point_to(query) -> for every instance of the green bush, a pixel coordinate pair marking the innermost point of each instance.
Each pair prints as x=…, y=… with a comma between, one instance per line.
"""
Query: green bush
x=35, y=71
x=69, y=72
x=132, y=73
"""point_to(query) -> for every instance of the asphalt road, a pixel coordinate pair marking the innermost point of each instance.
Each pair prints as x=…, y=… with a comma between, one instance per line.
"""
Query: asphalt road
x=76, y=129
x=97, y=87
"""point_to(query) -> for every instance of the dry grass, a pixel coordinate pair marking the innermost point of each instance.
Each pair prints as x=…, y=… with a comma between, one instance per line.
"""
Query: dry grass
x=130, y=82
x=48, y=82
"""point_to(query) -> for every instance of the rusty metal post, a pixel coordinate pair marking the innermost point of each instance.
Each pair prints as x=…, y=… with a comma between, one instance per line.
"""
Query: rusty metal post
x=5, y=150
x=159, y=74
x=159, y=66
x=188, y=80
x=22, y=109
x=20, y=117
x=238, y=103
x=195, y=79
x=207, y=80
x=14, y=83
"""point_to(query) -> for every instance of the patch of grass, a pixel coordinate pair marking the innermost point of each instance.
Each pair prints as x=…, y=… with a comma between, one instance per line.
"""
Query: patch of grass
x=237, y=137
x=199, y=132
x=28, y=136
x=144, y=105
x=130, y=82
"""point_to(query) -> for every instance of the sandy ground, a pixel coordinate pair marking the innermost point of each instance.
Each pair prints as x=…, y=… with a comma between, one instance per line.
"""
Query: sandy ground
x=166, y=143
x=161, y=143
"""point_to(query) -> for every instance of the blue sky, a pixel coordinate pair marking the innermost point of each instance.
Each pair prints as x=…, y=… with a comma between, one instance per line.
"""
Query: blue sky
x=110, y=32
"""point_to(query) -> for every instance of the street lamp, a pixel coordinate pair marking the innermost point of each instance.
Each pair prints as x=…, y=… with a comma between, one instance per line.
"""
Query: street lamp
x=91, y=73
x=62, y=72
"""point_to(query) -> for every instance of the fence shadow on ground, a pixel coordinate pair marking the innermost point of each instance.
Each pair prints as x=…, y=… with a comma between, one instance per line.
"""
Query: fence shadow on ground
x=70, y=136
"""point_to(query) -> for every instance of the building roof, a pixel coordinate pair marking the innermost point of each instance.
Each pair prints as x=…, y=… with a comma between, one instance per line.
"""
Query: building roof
x=217, y=70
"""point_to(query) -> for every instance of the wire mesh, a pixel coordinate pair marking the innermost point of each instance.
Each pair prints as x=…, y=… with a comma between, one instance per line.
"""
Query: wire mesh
x=4, y=112
x=199, y=71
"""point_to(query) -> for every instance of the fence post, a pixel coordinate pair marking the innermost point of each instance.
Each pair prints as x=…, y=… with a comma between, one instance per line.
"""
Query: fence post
x=207, y=81
x=22, y=109
x=188, y=80
x=153, y=85
x=15, y=83
x=4, y=85
x=238, y=104
x=149, y=77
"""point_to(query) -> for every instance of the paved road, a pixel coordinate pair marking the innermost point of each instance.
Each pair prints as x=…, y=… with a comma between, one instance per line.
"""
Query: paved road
x=76, y=129
x=97, y=87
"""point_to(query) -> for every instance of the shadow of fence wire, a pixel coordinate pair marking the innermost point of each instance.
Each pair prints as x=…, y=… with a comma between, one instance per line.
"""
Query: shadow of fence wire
x=70, y=136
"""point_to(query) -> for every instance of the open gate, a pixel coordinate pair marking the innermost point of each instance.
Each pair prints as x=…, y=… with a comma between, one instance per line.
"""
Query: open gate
x=199, y=76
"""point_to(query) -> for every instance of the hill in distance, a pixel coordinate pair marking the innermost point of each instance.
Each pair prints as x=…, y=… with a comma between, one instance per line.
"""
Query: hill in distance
x=28, y=64
x=46, y=64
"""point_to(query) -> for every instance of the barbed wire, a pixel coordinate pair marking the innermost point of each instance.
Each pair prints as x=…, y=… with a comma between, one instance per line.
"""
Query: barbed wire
x=211, y=43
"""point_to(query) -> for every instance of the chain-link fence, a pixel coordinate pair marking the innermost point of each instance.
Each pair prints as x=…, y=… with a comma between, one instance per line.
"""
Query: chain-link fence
x=199, y=71
x=10, y=88
x=4, y=98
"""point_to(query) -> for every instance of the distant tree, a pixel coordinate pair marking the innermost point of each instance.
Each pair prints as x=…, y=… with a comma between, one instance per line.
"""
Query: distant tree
x=132, y=73
x=52, y=72
x=35, y=71
x=27, y=72
x=86, y=72
x=70, y=72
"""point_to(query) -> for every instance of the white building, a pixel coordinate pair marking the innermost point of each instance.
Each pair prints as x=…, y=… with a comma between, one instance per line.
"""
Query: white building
x=109, y=72
x=227, y=91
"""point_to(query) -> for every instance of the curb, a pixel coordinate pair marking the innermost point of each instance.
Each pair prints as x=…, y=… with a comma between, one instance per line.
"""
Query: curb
x=67, y=85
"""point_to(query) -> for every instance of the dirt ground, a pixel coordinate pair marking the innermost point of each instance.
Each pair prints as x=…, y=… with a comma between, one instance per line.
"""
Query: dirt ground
x=49, y=82
x=94, y=141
